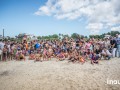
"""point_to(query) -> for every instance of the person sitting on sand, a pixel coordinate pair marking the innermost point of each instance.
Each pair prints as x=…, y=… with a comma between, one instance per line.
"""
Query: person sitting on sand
x=88, y=54
x=81, y=59
x=98, y=53
x=106, y=54
x=32, y=56
x=74, y=56
x=21, y=57
x=31, y=49
x=66, y=54
x=71, y=57
x=19, y=54
x=61, y=56
x=49, y=53
x=94, y=59
x=45, y=53
x=38, y=57
x=24, y=51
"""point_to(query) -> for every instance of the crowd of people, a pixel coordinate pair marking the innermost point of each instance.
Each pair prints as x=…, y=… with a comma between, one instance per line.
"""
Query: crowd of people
x=73, y=50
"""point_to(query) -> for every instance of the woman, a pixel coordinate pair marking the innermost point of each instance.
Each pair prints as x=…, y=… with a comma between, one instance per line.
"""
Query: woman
x=4, y=53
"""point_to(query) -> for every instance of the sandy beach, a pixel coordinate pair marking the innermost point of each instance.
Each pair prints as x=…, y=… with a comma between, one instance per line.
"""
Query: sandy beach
x=52, y=75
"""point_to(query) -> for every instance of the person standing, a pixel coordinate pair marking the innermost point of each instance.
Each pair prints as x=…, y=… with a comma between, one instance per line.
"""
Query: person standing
x=2, y=44
x=118, y=44
x=113, y=46
x=0, y=54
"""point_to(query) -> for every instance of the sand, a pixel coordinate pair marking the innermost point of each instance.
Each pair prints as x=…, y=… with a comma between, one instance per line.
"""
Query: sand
x=61, y=75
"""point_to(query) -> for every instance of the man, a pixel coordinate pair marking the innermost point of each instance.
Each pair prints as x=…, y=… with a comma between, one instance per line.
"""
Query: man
x=118, y=44
x=2, y=44
x=113, y=46
x=106, y=54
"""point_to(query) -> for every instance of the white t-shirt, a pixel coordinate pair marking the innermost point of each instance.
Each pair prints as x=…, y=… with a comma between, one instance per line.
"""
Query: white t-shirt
x=2, y=45
x=8, y=47
x=107, y=43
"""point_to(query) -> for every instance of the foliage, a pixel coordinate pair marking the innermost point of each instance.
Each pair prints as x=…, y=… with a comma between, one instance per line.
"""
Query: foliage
x=49, y=37
x=112, y=33
x=75, y=35
x=61, y=36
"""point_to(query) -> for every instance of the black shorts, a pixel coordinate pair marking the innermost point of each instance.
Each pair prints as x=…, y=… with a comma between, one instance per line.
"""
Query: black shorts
x=21, y=57
x=4, y=54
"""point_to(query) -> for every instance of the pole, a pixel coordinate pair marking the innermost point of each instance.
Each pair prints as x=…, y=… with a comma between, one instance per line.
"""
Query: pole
x=3, y=34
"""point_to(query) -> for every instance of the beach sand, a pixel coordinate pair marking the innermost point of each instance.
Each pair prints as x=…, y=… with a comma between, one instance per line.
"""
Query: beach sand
x=61, y=75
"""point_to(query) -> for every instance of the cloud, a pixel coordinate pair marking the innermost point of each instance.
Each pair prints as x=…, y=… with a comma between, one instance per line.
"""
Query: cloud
x=115, y=28
x=100, y=14
x=95, y=27
x=45, y=11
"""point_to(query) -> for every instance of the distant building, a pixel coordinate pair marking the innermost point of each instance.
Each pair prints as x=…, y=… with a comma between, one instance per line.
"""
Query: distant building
x=107, y=36
x=29, y=37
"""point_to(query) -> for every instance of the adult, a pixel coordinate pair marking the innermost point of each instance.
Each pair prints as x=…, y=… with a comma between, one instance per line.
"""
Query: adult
x=118, y=44
x=2, y=45
x=106, y=53
x=113, y=46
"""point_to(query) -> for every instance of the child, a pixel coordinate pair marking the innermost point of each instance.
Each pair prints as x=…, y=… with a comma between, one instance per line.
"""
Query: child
x=66, y=54
x=74, y=56
x=49, y=53
x=94, y=59
x=98, y=53
x=71, y=56
x=45, y=54
x=50, y=50
x=31, y=56
x=38, y=57
x=81, y=59
x=61, y=56
x=24, y=51
x=17, y=54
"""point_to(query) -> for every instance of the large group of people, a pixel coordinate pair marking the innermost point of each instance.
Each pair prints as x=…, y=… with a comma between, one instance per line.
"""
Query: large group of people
x=73, y=50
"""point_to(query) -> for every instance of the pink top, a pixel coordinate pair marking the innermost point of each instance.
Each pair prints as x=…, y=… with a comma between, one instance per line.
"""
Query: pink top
x=87, y=46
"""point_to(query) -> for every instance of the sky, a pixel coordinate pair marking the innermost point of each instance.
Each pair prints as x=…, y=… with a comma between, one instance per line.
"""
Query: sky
x=46, y=17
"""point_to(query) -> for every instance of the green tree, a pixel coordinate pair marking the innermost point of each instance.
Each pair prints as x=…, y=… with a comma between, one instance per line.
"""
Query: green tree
x=75, y=35
x=39, y=37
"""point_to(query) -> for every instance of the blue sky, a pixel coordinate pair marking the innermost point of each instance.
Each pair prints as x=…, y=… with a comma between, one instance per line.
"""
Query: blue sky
x=19, y=16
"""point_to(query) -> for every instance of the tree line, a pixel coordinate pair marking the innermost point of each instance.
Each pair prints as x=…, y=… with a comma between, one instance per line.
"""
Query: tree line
x=61, y=36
